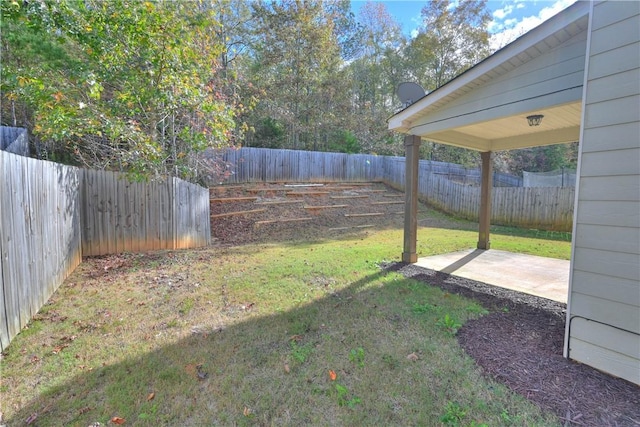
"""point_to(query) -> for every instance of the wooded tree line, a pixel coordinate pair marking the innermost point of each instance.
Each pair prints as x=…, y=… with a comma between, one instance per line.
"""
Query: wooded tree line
x=146, y=86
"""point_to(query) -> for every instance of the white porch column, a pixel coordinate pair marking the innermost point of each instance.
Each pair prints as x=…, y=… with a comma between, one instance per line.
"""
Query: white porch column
x=412, y=157
x=485, y=201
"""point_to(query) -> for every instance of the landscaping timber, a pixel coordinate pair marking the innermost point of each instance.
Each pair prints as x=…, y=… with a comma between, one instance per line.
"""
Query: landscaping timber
x=233, y=199
x=388, y=203
x=307, y=193
x=227, y=187
x=280, y=202
x=265, y=190
x=339, y=188
x=364, y=196
x=364, y=214
x=273, y=221
x=326, y=207
x=252, y=211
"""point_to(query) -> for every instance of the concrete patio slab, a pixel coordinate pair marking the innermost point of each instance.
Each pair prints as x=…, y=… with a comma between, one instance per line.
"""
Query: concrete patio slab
x=535, y=275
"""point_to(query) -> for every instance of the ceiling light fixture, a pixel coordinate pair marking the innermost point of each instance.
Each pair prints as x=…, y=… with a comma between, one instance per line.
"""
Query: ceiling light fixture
x=535, y=120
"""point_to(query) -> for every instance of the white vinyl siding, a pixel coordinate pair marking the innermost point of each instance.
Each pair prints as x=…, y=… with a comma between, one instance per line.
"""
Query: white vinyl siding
x=557, y=75
x=614, y=350
x=626, y=137
x=611, y=238
x=610, y=163
x=607, y=287
x=604, y=303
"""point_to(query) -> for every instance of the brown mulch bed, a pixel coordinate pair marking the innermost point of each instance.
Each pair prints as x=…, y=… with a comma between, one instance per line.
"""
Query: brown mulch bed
x=519, y=343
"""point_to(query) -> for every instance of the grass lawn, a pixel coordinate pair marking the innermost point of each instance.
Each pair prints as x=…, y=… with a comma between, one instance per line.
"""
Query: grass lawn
x=299, y=333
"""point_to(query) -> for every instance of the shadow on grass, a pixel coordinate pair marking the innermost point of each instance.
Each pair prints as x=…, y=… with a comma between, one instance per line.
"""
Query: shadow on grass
x=250, y=372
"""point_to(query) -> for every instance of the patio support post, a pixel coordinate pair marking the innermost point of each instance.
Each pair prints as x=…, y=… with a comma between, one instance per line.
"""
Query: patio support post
x=412, y=157
x=485, y=200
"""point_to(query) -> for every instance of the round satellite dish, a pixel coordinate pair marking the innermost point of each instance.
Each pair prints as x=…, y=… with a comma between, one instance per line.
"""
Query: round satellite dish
x=409, y=93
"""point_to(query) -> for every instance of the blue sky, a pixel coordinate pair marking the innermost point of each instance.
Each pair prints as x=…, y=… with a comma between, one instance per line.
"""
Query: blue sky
x=511, y=18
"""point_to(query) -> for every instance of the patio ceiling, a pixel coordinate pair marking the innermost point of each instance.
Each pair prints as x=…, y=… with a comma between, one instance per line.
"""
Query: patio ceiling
x=561, y=124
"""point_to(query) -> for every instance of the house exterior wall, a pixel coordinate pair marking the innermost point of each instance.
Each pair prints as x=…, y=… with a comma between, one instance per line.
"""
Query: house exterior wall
x=553, y=78
x=603, y=313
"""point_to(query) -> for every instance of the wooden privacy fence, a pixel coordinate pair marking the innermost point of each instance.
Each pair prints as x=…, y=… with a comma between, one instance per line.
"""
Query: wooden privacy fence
x=39, y=236
x=51, y=215
x=527, y=207
x=268, y=165
x=118, y=215
x=441, y=185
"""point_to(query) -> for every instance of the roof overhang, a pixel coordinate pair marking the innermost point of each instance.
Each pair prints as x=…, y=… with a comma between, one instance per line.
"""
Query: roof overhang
x=502, y=125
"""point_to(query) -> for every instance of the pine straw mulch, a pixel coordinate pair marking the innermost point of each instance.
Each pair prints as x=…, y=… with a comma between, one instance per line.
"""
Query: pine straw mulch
x=520, y=343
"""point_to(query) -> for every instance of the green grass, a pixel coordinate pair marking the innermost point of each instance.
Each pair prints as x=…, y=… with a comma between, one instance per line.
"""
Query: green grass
x=247, y=336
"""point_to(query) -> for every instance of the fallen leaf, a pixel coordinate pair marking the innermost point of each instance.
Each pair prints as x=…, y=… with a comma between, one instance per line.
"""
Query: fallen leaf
x=151, y=396
x=295, y=338
x=191, y=369
x=118, y=420
x=286, y=368
x=332, y=375
x=59, y=348
x=246, y=411
x=412, y=357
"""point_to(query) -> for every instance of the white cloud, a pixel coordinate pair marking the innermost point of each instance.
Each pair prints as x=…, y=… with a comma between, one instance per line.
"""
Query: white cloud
x=510, y=22
x=503, y=13
x=511, y=29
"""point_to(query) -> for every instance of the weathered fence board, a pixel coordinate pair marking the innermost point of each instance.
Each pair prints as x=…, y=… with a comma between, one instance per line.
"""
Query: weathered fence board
x=191, y=215
x=120, y=216
x=39, y=236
